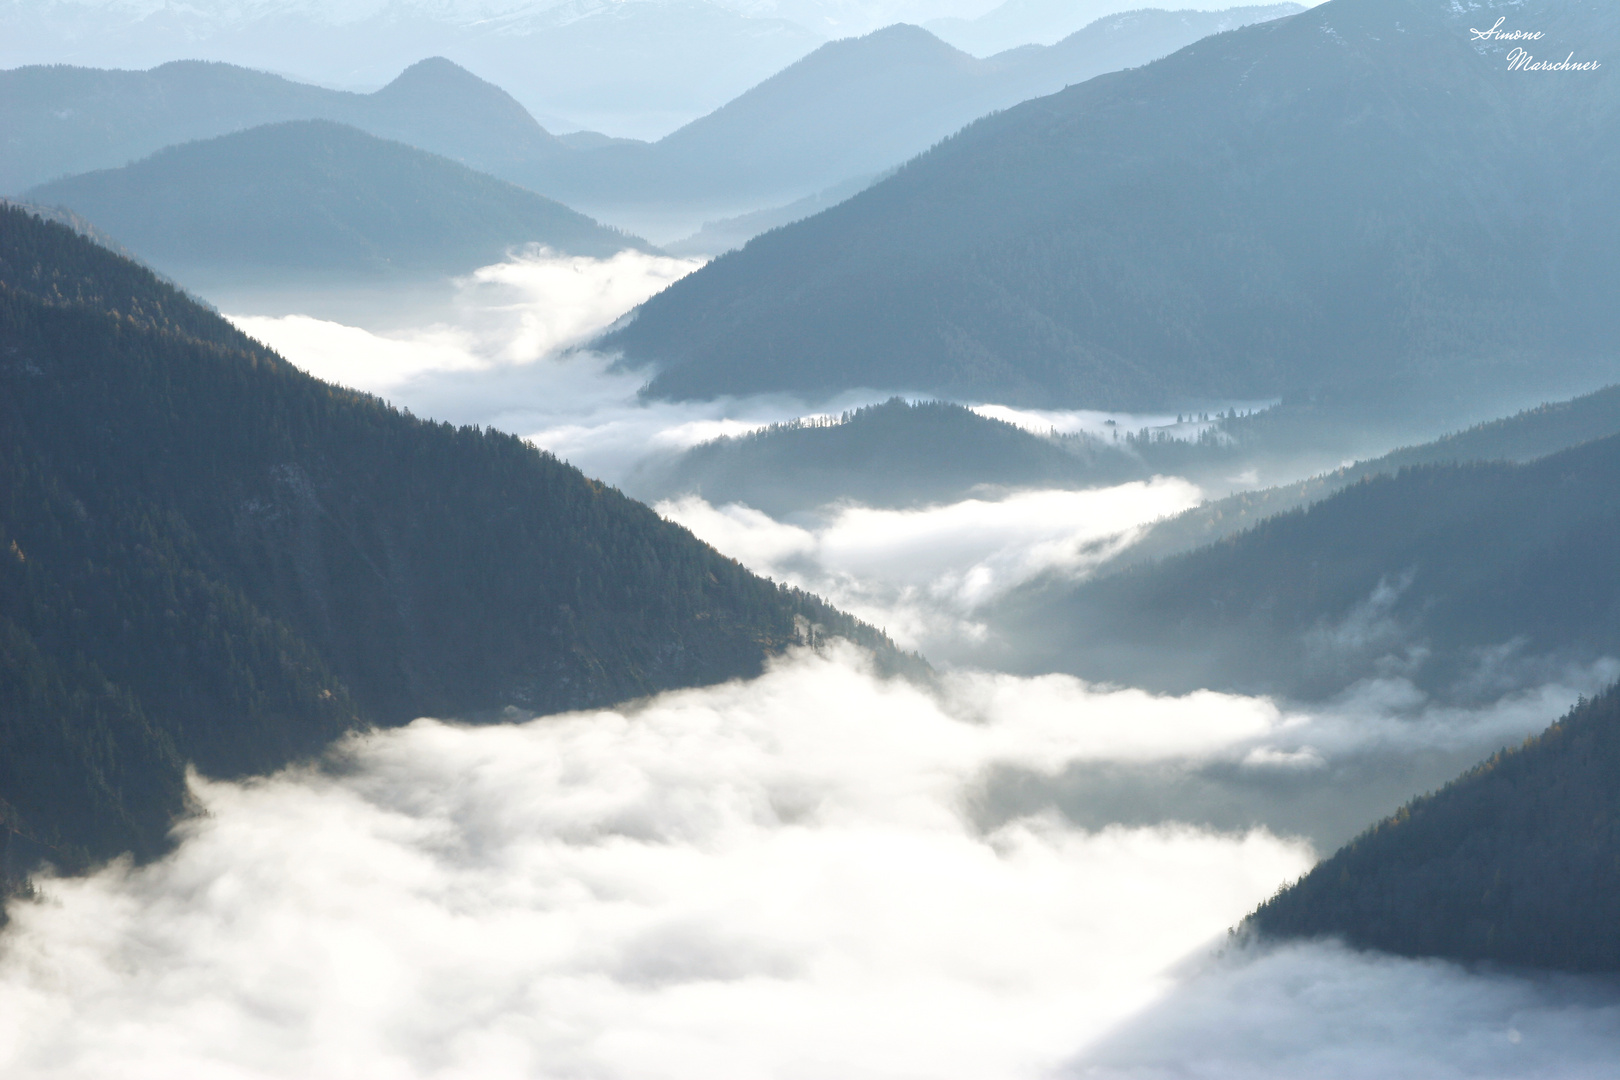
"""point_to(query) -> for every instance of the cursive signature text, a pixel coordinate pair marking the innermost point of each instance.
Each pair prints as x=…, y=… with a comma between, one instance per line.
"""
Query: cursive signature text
x=1496, y=33
x=1519, y=60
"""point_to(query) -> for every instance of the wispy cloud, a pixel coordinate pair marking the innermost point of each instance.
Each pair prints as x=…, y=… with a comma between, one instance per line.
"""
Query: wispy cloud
x=506, y=356
x=535, y=306
x=922, y=573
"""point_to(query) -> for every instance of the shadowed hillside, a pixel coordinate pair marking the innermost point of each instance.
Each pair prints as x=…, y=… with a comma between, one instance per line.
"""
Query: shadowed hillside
x=58, y=120
x=1517, y=861
x=208, y=556
x=1469, y=578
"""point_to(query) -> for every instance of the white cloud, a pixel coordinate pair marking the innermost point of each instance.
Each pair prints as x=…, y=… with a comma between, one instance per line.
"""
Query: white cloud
x=529, y=308
x=350, y=356
x=507, y=357
x=775, y=878
x=786, y=877
x=1107, y=425
x=922, y=573
x=1322, y=1011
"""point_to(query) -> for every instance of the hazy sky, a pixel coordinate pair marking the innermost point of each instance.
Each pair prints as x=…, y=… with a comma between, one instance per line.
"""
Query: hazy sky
x=833, y=17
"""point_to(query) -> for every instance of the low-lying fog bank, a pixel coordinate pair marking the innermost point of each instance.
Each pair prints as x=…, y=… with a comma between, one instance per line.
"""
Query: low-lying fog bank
x=817, y=872
x=1326, y=1012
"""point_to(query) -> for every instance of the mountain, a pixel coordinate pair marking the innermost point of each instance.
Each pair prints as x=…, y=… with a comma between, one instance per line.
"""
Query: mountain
x=895, y=454
x=632, y=67
x=1516, y=862
x=207, y=556
x=1149, y=33
x=1354, y=198
x=828, y=123
x=854, y=108
x=1529, y=434
x=904, y=453
x=57, y=121
x=312, y=197
x=1468, y=579
x=1021, y=22
x=723, y=234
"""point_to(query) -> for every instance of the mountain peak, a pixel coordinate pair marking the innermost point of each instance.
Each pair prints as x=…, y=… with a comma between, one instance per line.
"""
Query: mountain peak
x=441, y=87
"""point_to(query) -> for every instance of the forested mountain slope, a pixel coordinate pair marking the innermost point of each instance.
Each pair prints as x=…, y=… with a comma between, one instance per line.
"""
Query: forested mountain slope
x=58, y=120
x=1529, y=434
x=1518, y=861
x=1468, y=578
x=312, y=197
x=209, y=556
x=1355, y=197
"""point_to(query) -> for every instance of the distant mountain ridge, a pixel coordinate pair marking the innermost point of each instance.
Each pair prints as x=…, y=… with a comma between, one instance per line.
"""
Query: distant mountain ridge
x=1020, y=22
x=850, y=110
x=1351, y=198
x=58, y=121
x=857, y=107
x=312, y=199
x=632, y=67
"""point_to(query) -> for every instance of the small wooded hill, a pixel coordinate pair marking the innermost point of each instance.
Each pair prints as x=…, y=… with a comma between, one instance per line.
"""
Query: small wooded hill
x=317, y=198
x=209, y=556
x=58, y=121
x=1353, y=197
x=895, y=454
x=1470, y=578
x=1517, y=861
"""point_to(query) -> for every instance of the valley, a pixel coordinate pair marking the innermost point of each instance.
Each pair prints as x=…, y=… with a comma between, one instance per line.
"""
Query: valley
x=1016, y=542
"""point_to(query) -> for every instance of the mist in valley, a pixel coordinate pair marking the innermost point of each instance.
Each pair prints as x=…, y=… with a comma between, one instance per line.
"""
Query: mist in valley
x=820, y=870
x=1128, y=674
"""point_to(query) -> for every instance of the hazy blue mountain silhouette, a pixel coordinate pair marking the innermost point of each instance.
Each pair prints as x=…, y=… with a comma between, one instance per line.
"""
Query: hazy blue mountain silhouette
x=57, y=121
x=851, y=109
x=1354, y=198
x=311, y=197
x=856, y=107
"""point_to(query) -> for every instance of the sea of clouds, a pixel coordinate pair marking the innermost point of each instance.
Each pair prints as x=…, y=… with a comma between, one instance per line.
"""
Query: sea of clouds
x=796, y=876
x=509, y=356
x=819, y=872
x=780, y=877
